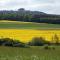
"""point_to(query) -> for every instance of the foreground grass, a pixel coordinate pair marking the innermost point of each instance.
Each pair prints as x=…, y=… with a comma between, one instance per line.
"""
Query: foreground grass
x=32, y=53
x=27, y=25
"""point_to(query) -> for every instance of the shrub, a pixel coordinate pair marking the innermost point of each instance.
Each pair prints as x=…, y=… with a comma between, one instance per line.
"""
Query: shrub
x=46, y=47
x=12, y=43
x=49, y=47
x=37, y=41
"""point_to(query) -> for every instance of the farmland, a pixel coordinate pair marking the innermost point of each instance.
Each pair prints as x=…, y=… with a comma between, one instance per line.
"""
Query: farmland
x=27, y=25
x=26, y=35
x=24, y=31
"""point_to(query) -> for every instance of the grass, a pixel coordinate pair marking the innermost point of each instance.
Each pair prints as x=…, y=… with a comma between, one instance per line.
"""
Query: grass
x=32, y=53
x=27, y=25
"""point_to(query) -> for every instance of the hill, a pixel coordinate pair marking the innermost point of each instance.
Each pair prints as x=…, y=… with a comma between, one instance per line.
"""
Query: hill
x=29, y=16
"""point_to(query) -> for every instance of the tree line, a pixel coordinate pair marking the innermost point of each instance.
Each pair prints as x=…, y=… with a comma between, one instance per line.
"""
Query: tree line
x=29, y=16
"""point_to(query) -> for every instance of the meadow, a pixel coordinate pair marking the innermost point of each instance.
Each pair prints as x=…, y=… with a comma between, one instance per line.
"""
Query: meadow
x=24, y=31
x=27, y=25
x=32, y=53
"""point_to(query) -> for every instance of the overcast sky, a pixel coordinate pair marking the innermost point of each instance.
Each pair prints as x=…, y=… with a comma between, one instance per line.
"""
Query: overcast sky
x=47, y=6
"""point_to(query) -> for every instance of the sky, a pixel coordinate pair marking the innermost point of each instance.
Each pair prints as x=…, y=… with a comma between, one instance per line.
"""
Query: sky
x=47, y=6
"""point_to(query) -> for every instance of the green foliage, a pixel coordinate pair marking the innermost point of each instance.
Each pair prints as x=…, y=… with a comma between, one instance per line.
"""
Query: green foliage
x=29, y=16
x=38, y=41
x=11, y=43
x=47, y=47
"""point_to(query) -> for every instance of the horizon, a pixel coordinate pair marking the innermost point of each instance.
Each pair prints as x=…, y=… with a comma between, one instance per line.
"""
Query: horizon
x=46, y=6
x=29, y=10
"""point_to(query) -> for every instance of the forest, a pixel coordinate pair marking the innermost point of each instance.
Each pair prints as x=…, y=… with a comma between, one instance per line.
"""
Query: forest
x=29, y=16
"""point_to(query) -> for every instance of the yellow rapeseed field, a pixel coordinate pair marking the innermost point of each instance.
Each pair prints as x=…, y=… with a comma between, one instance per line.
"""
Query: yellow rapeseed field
x=26, y=35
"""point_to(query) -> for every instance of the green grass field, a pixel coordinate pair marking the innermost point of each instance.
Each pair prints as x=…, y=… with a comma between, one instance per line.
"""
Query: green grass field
x=22, y=25
x=32, y=53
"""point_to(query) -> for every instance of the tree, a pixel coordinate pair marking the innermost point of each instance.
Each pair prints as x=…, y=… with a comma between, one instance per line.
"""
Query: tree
x=56, y=39
x=21, y=9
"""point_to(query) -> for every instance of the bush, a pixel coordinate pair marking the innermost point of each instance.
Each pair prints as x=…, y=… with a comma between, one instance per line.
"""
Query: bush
x=46, y=47
x=37, y=41
x=11, y=43
x=53, y=48
x=49, y=47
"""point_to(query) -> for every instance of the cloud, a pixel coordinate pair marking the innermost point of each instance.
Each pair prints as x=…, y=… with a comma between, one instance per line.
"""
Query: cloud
x=47, y=6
